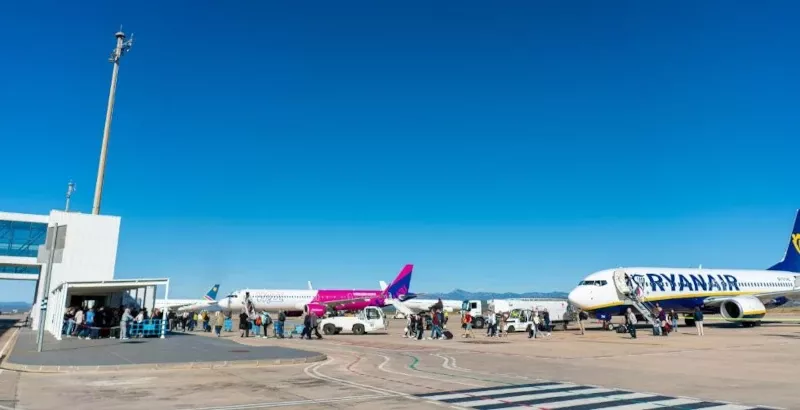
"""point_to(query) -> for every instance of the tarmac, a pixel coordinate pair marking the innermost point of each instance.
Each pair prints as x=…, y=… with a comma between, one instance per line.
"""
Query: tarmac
x=178, y=350
x=751, y=368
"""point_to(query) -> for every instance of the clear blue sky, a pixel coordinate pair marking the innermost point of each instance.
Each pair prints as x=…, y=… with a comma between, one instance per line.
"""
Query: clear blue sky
x=498, y=147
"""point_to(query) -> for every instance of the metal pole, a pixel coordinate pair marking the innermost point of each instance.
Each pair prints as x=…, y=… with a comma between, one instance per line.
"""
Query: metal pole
x=70, y=190
x=122, y=45
x=48, y=273
x=164, y=313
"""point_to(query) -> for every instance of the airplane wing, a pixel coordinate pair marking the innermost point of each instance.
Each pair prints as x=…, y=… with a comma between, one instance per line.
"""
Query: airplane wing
x=765, y=297
x=334, y=303
x=400, y=307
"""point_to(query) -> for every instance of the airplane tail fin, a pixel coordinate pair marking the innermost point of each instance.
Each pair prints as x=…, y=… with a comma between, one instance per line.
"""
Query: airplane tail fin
x=383, y=285
x=401, y=283
x=212, y=293
x=791, y=260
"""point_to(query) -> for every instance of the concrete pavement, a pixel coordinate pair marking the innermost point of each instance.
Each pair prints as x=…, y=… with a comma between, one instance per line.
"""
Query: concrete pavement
x=750, y=367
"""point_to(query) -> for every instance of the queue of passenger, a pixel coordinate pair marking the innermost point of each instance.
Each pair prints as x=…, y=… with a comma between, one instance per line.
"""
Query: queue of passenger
x=536, y=323
x=105, y=322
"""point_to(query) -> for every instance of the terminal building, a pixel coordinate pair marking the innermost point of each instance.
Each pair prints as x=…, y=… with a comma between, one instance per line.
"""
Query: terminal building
x=84, y=275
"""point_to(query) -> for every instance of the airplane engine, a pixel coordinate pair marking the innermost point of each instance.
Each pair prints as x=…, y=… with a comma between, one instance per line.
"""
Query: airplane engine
x=318, y=309
x=742, y=308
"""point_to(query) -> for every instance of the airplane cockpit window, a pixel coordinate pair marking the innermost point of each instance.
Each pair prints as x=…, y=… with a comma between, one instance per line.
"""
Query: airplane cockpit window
x=593, y=283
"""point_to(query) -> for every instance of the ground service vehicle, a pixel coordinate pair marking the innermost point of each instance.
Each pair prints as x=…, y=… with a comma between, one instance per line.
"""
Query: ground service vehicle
x=560, y=310
x=369, y=320
x=475, y=308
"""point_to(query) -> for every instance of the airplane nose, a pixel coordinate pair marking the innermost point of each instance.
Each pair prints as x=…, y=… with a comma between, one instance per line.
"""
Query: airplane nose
x=577, y=298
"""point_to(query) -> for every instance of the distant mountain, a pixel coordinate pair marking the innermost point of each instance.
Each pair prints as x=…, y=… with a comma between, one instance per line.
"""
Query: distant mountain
x=459, y=294
x=9, y=306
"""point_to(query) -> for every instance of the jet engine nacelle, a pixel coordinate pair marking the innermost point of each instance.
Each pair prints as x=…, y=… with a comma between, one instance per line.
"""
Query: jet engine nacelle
x=318, y=309
x=742, y=307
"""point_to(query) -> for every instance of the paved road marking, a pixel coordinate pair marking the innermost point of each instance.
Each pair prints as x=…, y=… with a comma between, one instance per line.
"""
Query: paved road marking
x=5, y=346
x=568, y=396
x=292, y=403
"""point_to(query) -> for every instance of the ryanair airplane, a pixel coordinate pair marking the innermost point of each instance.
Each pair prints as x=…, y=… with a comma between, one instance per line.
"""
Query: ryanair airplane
x=738, y=295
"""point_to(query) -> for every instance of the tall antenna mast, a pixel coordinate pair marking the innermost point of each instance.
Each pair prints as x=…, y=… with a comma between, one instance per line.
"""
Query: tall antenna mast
x=70, y=191
x=123, y=46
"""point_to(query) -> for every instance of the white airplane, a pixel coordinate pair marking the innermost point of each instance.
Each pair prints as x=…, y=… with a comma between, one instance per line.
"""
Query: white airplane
x=190, y=304
x=738, y=295
x=320, y=301
x=423, y=305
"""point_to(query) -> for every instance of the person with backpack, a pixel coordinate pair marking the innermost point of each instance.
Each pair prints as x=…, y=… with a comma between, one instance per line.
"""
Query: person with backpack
x=279, y=324
x=630, y=322
x=582, y=317
x=266, y=321
x=256, y=329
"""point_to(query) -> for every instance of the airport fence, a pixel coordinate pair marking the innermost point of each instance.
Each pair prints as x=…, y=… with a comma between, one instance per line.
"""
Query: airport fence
x=147, y=328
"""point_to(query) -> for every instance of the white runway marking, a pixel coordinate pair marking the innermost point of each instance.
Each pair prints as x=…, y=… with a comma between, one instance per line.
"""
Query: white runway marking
x=568, y=396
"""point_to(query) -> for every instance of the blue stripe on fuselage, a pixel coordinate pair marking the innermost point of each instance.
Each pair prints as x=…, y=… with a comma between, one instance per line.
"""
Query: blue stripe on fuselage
x=680, y=305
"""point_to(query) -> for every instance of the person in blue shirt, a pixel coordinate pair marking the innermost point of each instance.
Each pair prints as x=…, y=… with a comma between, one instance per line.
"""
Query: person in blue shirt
x=90, y=323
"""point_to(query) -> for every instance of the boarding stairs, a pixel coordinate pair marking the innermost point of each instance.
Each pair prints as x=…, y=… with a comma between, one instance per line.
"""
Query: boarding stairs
x=248, y=308
x=634, y=293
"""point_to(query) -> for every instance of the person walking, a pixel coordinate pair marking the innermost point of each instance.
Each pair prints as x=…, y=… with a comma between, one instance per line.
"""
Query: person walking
x=219, y=322
x=698, y=321
x=630, y=322
x=582, y=317
x=244, y=325
x=125, y=321
x=266, y=321
x=673, y=318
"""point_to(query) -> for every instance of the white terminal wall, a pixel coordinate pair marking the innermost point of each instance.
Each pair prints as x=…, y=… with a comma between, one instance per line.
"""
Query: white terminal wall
x=90, y=254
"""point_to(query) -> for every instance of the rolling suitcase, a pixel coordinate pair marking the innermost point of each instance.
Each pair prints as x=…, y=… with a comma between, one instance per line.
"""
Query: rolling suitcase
x=447, y=334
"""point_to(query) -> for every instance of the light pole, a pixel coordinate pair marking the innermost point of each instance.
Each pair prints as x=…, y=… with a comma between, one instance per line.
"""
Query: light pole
x=122, y=47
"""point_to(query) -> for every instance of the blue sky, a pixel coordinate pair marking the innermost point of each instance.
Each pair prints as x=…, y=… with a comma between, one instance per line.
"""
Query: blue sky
x=498, y=147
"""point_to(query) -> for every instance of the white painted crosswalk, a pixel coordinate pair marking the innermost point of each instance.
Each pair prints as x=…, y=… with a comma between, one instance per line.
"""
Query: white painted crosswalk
x=567, y=396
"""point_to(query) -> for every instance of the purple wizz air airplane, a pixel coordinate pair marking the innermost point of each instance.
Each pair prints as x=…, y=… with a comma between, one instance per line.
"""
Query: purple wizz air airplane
x=296, y=302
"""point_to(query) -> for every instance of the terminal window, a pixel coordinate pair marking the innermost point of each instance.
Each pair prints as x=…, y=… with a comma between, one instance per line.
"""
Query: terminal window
x=20, y=269
x=21, y=238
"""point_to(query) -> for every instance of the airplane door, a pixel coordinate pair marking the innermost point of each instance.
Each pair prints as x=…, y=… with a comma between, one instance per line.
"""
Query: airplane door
x=619, y=281
x=797, y=281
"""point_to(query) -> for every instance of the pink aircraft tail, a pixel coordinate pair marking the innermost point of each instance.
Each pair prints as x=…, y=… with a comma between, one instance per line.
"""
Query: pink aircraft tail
x=401, y=284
